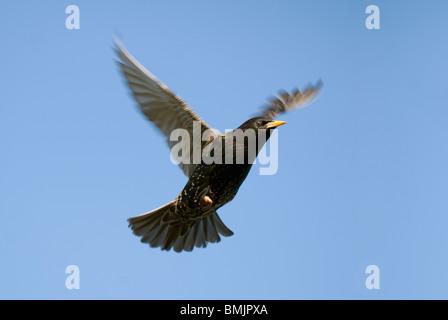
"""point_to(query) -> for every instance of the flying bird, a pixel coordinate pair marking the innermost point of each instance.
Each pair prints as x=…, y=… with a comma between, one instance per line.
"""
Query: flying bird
x=191, y=219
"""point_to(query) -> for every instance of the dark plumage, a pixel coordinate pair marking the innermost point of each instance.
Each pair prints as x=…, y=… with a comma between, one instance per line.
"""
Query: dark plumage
x=191, y=219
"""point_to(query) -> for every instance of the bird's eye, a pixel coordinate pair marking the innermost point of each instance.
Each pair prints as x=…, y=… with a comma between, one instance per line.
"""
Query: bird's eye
x=259, y=123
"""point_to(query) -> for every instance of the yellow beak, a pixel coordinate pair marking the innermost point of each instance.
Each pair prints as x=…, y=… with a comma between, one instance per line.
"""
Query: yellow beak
x=275, y=124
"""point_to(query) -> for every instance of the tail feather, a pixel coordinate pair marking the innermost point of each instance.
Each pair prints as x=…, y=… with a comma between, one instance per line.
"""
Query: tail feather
x=164, y=228
x=200, y=241
x=179, y=244
x=220, y=226
x=159, y=239
x=173, y=234
x=146, y=228
x=210, y=231
x=189, y=238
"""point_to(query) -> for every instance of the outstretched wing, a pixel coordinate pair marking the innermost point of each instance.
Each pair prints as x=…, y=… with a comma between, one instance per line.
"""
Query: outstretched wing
x=165, y=109
x=286, y=101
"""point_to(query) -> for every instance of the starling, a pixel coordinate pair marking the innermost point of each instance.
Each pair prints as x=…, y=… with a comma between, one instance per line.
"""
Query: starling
x=191, y=219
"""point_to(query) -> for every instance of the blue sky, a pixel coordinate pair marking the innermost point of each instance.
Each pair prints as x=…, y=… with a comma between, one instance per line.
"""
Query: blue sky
x=362, y=176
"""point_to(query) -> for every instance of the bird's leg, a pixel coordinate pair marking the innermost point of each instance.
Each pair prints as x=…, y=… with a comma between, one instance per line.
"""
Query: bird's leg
x=205, y=198
x=207, y=202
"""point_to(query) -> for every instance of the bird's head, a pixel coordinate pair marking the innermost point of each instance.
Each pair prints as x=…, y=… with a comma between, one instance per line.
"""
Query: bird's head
x=258, y=123
x=248, y=139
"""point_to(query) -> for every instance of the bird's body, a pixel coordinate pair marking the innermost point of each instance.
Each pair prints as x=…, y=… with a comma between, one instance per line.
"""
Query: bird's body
x=220, y=182
x=191, y=219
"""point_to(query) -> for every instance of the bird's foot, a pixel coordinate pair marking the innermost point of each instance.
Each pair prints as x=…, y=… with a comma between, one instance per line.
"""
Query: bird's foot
x=207, y=203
